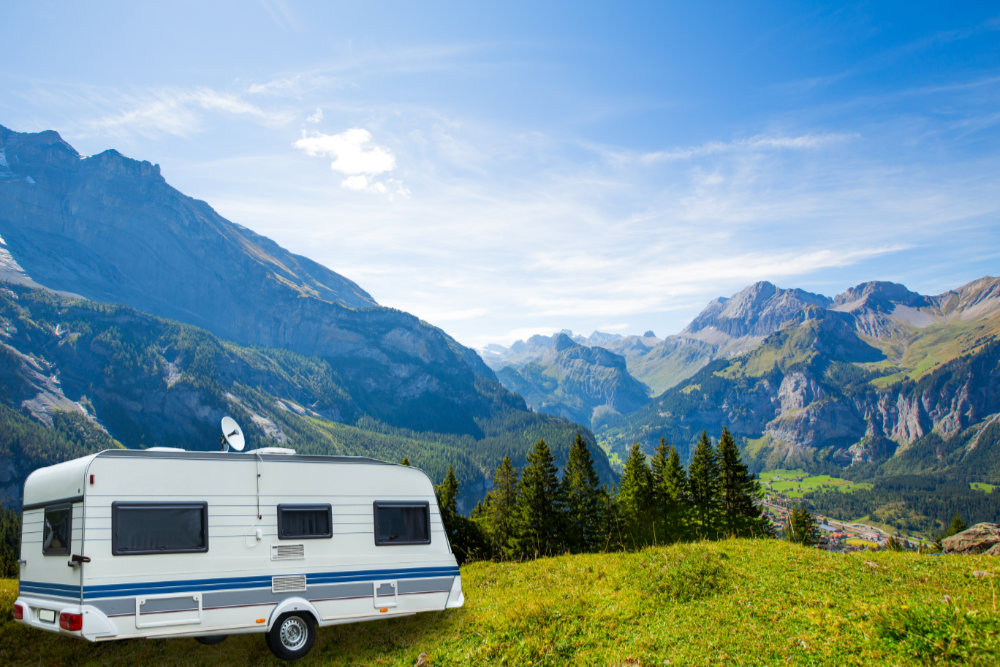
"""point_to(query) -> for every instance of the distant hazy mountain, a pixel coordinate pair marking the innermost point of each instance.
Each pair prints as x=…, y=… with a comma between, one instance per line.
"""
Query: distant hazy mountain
x=725, y=328
x=559, y=376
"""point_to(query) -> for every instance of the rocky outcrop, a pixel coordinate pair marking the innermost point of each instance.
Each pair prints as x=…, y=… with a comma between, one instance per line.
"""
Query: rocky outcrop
x=982, y=538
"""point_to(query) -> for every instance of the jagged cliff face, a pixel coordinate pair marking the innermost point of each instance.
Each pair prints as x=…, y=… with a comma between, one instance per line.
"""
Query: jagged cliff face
x=111, y=229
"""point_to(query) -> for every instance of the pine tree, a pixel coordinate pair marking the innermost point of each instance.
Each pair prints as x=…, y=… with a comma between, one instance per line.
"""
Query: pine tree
x=741, y=516
x=585, y=517
x=465, y=536
x=447, y=497
x=957, y=526
x=539, y=510
x=496, y=513
x=669, y=493
x=800, y=527
x=703, y=486
x=635, y=501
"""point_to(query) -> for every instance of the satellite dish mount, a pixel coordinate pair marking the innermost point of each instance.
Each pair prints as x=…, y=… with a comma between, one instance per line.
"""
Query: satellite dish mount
x=232, y=435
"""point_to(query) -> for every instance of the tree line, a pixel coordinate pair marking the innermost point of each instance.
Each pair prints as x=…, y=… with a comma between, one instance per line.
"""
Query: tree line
x=532, y=512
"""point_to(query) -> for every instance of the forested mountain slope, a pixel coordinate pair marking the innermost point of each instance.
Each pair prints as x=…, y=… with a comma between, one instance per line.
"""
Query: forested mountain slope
x=117, y=374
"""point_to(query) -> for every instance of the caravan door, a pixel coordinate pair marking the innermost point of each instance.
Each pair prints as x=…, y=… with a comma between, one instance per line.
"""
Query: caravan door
x=51, y=535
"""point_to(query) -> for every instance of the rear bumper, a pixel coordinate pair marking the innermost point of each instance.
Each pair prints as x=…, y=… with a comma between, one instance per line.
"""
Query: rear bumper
x=37, y=611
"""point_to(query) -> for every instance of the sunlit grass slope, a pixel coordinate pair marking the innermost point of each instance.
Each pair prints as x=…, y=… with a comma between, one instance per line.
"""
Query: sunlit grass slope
x=731, y=602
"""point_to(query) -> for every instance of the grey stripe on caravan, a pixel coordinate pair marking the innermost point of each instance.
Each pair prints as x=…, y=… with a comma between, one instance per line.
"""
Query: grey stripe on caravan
x=261, y=596
x=246, y=456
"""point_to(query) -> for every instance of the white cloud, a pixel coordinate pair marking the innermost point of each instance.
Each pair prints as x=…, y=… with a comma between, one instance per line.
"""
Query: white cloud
x=352, y=151
x=355, y=156
x=316, y=116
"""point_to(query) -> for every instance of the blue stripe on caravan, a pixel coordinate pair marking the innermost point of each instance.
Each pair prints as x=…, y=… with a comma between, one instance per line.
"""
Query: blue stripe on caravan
x=338, y=577
x=230, y=583
x=59, y=590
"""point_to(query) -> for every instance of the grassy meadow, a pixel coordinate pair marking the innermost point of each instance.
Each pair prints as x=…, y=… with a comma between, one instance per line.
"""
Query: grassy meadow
x=783, y=482
x=731, y=602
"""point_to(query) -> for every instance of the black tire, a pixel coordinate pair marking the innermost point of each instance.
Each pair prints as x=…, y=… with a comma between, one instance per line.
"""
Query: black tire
x=211, y=640
x=292, y=635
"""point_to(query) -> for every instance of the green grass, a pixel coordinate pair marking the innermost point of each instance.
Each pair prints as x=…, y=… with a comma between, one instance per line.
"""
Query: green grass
x=858, y=542
x=915, y=352
x=982, y=486
x=785, y=482
x=735, y=602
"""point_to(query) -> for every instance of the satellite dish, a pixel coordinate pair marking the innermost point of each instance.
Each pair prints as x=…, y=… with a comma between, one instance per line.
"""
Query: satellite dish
x=232, y=435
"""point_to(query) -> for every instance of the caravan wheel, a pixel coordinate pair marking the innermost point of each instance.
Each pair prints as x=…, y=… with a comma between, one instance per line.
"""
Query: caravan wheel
x=292, y=635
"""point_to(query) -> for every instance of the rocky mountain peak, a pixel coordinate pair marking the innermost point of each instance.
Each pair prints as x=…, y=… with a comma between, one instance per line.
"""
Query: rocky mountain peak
x=973, y=298
x=757, y=310
x=113, y=164
x=35, y=155
x=562, y=342
x=880, y=296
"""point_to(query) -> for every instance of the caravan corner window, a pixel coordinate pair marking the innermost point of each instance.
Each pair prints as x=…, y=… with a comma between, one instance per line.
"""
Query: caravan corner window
x=402, y=523
x=296, y=522
x=158, y=528
x=57, y=530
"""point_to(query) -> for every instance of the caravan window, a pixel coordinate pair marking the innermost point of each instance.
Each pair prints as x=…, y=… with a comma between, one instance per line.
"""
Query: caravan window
x=57, y=530
x=304, y=521
x=158, y=528
x=402, y=523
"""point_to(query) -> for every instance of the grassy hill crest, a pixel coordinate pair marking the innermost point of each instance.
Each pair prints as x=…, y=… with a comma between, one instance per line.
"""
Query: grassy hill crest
x=729, y=602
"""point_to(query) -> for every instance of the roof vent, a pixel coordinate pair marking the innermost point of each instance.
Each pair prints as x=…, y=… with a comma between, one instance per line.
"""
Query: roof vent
x=165, y=449
x=275, y=450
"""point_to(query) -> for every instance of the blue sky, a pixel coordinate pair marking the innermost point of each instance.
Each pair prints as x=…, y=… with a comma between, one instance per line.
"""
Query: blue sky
x=503, y=169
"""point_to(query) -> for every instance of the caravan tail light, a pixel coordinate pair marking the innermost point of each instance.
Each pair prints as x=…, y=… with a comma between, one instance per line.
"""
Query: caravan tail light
x=18, y=612
x=71, y=622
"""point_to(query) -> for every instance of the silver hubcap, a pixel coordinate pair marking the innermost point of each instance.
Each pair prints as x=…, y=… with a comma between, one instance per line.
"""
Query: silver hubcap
x=293, y=633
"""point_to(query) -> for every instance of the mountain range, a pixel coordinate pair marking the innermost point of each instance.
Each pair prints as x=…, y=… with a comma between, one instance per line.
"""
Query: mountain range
x=878, y=378
x=209, y=318
x=133, y=315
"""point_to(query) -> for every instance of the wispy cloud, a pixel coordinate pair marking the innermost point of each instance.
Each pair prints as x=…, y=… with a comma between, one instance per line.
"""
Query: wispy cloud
x=750, y=144
x=177, y=112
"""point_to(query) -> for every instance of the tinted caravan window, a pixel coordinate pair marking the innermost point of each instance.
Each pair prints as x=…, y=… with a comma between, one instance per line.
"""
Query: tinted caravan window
x=402, y=523
x=57, y=530
x=158, y=528
x=304, y=521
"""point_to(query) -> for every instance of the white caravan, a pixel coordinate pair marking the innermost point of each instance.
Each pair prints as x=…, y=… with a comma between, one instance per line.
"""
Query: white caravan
x=168, y=543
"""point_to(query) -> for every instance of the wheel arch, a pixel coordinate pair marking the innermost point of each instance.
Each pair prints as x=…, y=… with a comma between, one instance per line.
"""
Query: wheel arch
x=292, y=604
